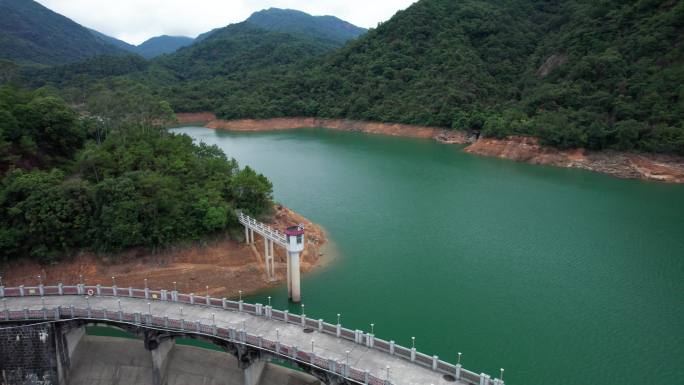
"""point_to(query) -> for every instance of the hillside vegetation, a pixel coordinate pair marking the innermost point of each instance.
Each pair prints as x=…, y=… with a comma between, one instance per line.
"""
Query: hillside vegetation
x=71, y=183
x=33, y=34
x=575, y=73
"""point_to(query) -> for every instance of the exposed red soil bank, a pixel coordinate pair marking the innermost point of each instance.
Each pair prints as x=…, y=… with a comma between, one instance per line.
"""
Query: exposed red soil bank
x=623, y=165
x=390, y=129
x=226, y=266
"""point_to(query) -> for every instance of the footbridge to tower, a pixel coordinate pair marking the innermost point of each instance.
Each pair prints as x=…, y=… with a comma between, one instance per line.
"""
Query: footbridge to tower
x=253, y=333
x=292, y=241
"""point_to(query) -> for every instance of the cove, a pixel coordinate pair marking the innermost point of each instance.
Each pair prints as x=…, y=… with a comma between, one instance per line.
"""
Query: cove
x=560, y=276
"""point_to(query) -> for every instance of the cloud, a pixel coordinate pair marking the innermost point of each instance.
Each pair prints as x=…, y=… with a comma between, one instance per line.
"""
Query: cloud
x=135, y=21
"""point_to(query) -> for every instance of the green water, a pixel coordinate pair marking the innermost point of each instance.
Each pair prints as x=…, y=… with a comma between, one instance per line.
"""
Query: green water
x=560, y=276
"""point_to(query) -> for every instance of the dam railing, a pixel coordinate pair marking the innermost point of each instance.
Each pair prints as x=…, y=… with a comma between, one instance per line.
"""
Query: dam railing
x=232, y=334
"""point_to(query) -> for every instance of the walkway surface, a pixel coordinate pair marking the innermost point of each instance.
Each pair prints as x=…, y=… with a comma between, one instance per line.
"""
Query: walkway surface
x=326, y=346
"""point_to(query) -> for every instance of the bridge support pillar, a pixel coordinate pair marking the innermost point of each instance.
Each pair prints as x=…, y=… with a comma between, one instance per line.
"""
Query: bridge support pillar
x=253, y=372
x=160, y=360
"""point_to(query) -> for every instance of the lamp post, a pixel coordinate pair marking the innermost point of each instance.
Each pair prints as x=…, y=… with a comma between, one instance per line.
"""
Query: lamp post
x=207, y=291
x=277, y=335
x=387, y=377
x=174, y=286
x=302, y=309
x=347, y=365
x=119, y=301
x=459, y=358
x=338, y=318
x=312, y=346
x=80, y=279
x=213, y=319
x=181, y=311
x=145, y=283
x=40, y=280
x=372, y=329
x=413, y=342
x=113, y=281
x=501, y=375
x=149, y=308
x=269, y=300
x=42, y=301
x=240, y=292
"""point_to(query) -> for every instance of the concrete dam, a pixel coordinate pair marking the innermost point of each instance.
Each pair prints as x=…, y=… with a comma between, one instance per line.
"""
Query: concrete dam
x=43, y=341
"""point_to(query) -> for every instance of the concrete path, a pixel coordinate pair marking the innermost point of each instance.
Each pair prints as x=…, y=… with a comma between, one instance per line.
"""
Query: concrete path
x=402, y=372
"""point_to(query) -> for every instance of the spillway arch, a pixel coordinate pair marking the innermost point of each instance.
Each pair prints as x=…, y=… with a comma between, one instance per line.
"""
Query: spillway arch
x=31, y=307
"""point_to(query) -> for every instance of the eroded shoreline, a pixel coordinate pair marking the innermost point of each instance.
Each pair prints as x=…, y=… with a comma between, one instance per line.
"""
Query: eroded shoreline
x=224, y=265
x=654, y=167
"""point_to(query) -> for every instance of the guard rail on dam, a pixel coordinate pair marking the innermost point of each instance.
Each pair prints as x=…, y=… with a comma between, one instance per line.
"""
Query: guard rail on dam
x=334, y=354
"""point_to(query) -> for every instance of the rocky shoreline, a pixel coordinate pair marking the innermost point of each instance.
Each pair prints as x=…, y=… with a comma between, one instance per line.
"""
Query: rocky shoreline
x=655, y=167
x=223, y=265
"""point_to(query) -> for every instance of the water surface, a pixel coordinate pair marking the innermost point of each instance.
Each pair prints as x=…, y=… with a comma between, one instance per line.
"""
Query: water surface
x=560, y=276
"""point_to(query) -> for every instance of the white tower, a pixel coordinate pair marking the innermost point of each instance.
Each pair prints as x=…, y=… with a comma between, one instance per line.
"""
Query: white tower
x=294, y=236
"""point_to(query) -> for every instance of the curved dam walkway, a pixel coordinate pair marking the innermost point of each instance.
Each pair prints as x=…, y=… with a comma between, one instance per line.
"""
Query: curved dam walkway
x=253, y=333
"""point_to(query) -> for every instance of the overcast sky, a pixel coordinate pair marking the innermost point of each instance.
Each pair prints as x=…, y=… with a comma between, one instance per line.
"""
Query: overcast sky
x=135, y=21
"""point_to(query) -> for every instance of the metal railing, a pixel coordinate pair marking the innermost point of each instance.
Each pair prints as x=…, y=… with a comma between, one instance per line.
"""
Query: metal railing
x=234, y=335
x=263, y=229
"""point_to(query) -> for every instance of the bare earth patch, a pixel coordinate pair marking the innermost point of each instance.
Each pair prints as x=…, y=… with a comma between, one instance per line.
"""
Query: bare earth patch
x=224, y=265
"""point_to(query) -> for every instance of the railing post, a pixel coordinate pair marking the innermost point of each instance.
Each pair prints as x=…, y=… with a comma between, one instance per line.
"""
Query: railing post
x=71, y=311
x=26, y=313
x=207, y=300
x=320, y=325
x=98, y=289
x=21, y=290
x=260, y=340
x=198, y=326
x=164, y=295
x=303, y=317
x=435, y=361
x=80, y=289
x=2, y=291
x=130, y=291
x=458, y=371
x=484, y=379
x=370, y=340
x=115, y=291
x=391, y=348
x=60, y=289
x=223, y=302
x=120, y=312
x=413, y=354
x=240, y=305
x=58, y=310
x=166, y=321
x=339, y=330
x=365, y=377
x=192, y=298
x=182, y=324
x=286, y=316
x=147, y=293
x=332, y=365
x=104, y=313
x=294, y=351
x=138, y=318
x=41, y=289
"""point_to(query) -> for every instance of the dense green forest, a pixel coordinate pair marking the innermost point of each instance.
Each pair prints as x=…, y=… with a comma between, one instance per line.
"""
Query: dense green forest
x=32, y=34
x=105, y=184
x=576, y=73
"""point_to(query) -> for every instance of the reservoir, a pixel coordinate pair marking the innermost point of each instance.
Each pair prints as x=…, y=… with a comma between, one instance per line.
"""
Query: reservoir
x=560, y=276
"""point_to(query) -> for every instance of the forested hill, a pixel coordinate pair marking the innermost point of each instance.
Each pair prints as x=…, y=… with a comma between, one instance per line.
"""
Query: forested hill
x=575, y=73
x=292, y=21
x=33, y=34
x=160, y=45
